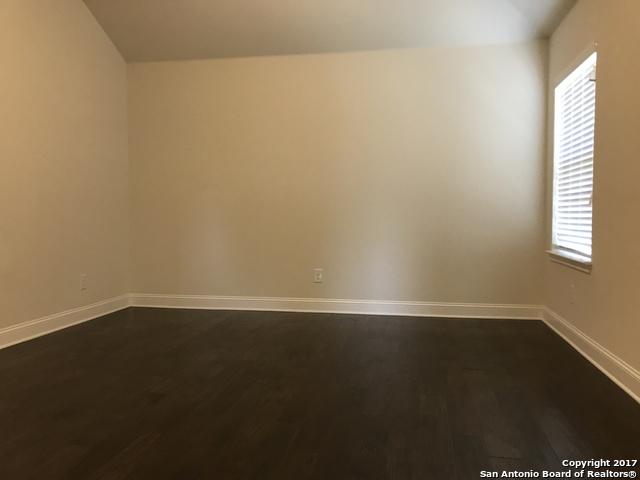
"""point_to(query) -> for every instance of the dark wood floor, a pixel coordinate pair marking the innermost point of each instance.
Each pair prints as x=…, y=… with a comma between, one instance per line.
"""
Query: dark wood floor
x=173, y=394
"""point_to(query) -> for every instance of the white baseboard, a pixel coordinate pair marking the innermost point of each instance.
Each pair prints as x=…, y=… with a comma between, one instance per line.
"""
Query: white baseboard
x=623, y=374
x=319, y=305
x=42, y=326
x=35, y=328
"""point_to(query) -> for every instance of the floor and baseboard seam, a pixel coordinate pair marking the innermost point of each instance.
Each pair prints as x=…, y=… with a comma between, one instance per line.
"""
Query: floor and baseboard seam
x=620, y=372
x=29, y=330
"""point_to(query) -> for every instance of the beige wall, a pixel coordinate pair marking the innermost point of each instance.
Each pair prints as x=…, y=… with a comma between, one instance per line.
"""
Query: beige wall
x=406, y=175
x=606, y=304
x=63, y=154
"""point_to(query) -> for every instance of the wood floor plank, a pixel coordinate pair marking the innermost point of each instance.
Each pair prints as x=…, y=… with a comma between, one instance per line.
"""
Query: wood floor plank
x=193, y=394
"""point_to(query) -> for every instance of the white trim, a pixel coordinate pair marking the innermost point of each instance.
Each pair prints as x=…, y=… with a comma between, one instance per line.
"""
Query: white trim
x=321, y=305
x=42, y=326
x=571, y=260
x=619, y=371
x=589, y=50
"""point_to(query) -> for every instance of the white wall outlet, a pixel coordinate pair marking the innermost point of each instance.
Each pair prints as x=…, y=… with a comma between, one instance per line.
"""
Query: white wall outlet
x=318, y=275
x=83, y=282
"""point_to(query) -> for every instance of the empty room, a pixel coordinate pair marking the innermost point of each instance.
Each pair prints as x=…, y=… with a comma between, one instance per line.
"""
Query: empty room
x=337, y=239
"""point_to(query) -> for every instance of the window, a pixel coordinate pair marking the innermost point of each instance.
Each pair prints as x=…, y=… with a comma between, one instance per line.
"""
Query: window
x=575, y=101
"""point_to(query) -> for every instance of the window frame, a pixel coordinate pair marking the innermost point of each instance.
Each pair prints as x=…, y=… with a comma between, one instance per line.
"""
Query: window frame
x=558, y=253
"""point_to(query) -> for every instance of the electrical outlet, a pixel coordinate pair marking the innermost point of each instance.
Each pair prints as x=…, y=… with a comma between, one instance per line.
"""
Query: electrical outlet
x=83, y=282
x=318, y=275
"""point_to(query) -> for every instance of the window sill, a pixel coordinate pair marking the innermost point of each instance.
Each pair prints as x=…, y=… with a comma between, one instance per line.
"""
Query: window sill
x=571, y=260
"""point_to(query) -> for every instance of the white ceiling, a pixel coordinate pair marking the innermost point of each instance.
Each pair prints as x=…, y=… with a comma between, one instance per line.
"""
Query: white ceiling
x=150, y=30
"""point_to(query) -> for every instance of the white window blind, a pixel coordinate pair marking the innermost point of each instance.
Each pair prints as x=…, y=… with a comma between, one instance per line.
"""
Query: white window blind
x=575, y=102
